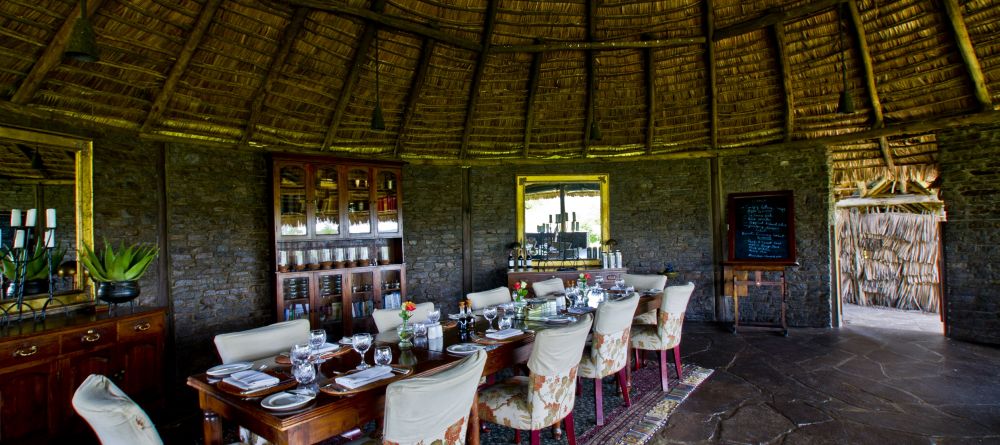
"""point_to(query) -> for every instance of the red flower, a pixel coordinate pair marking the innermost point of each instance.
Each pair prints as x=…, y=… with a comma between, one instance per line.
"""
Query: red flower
x=586, y=276
x=409, y=306
x=517, y=285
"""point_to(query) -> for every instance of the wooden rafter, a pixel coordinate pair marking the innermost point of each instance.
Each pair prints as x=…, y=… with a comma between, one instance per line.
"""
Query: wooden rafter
x=650, y=65
x=529, y=106
x=965, y=49
x=284, y=48
x=604, y=45
x=858, y=27
x=713, y=96
x=52, y=55
x=360, y=55
x=413, y=94
x=883, y=146
x=778, y=30
x=477, y=76
x=589, y=62
x=176, y=71
x=772, y=18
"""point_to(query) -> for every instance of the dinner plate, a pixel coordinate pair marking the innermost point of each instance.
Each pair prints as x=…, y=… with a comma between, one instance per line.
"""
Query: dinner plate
x=284, y=400
x=457, y=316
x=464, y=348
x=560, y=319
x=653, y=291
x=228, y=368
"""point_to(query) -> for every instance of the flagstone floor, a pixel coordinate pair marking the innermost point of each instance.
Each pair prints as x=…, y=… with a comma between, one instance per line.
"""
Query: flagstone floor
x=877, y=380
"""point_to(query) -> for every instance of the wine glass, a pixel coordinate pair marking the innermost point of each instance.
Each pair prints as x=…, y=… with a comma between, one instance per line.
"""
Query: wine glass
x=304, y=373
x=317, y=338
x=504, y=323
x=490, y=313
x=508, y=310
x=299, y=353
x=383, y=355
x=419, y=329
x=361, y=342
x=434, y=315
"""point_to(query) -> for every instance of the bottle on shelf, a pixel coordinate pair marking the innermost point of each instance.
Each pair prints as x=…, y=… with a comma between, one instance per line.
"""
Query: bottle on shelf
x=510, y=260
x=520, y=260
x=528, y=261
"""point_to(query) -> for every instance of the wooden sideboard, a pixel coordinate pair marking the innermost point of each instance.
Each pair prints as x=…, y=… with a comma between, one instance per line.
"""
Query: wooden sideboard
x=609, y=275
x=42, y=364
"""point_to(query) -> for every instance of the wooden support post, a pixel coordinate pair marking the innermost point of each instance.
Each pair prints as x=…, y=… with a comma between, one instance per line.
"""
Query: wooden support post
x=477, y=76
x=176, y=71
x=786, y=78
x=713, y=96
x=866, y=62
x=426, y=52
x=360, y=54
x=650, y=62
x=589, y=62
x=968, y=54
x=604, y=45
x=288, y=36
x=883, y=145
x=52, y=55
x=529, y=106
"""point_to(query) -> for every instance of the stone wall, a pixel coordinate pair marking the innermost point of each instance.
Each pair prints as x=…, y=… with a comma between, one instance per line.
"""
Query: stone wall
x=432, y=228
x=970, y=183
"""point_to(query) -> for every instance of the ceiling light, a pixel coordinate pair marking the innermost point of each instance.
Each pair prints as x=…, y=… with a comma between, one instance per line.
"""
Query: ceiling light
x=82, y=45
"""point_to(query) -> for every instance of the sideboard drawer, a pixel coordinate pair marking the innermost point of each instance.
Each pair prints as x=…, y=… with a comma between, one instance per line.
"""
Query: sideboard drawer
x=13, y=353
x=135, y=328
x=85, y=339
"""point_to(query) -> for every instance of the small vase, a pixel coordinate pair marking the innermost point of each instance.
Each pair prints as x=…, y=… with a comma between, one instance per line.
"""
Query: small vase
x=405, y=333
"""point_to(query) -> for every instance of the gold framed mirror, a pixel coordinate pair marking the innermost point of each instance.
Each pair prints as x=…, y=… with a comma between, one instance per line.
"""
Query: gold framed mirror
x=563, y=220
x=50, y=171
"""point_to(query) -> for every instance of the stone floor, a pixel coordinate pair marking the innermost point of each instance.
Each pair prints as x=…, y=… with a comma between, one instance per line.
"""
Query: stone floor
x=876, y=317
x=877, y=380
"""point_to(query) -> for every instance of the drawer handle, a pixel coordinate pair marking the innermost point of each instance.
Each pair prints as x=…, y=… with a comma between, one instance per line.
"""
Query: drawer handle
x=91, y=336
x=26, y=352
x=139, y=327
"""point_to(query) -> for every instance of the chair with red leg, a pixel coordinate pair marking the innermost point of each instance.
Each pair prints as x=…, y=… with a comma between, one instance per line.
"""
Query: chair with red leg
x=546, y=395
x=607, y=353
x=666, y=333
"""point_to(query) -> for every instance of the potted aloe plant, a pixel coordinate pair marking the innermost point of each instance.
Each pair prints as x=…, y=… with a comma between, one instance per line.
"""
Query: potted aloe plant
x=36, y=275
x=116, y=272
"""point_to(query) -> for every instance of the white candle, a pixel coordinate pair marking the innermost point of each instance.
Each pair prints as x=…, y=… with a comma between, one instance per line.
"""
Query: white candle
x=19, y=239
x=283, y=257
x=29, y=221
x=50, y=238
x=15, y=217
x=50, y=218
x=385, y=253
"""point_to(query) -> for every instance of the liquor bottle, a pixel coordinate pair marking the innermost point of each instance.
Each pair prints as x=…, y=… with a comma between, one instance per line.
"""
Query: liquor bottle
x=520, y=260
x=510, y=260
x=528, y=261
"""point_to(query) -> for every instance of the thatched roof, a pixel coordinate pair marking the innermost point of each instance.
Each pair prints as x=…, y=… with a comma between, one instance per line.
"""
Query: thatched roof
x=472, y=80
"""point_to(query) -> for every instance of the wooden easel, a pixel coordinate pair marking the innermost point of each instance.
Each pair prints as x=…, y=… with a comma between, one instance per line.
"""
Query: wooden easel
x=740, y=276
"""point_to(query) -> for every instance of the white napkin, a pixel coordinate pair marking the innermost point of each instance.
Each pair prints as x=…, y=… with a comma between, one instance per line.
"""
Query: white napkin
x=365, y=377
x=505, y=334
x=251, y=379
x=327, y=347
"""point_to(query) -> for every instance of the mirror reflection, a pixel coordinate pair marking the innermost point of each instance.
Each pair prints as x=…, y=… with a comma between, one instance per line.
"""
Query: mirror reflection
x=563, y=218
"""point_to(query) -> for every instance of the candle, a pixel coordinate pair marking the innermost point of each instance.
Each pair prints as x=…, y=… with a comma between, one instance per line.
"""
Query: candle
x=29, y=221
x=19, y=238
x=550, y=219
x=50, y=218
x=50, y=238
x=283, y=257
x=385, y=253
x=15, y=218
x=574, y=216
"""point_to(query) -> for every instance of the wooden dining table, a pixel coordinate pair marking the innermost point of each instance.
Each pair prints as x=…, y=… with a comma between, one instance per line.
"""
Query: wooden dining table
x=331, y=415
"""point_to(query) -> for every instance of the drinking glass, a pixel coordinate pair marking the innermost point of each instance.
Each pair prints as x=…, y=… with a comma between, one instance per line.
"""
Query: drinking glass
x=317, y=338
x=383, y=355
x=504, y=323
x=299, y=353
x=434, y=315
x=490, y=313
x=361, y=342
x=304, y=373
x=508, y=310
x=419, y=330
x=619, y=284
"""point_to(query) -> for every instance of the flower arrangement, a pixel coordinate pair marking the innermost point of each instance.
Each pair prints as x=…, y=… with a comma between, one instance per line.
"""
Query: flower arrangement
x=582, y=281
x=520, y=290
x=406, y=310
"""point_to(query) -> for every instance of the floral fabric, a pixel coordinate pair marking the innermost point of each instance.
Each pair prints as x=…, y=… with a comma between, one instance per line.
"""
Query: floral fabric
x=645, y=318
x=453, y=435
x=664, y=335
x=608, y=353
x=529, y=403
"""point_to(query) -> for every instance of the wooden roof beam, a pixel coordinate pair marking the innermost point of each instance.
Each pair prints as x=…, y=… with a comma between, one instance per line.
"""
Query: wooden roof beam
x=288, y=37
x=477, y=76
x=605, y=45
x=529, y=106
x=858, y=27
x=360, y=54
x=52, y=55
x=710, y=66
x=194, y=39
x=968, y=54
x=778, y=29
x=413, y=94
x=883, y=146
x=650, y=62
x=589, y=62
x=772, y=18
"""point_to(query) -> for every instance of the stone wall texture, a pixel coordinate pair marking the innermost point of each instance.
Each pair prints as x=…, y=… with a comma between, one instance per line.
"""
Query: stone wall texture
x=970, y=183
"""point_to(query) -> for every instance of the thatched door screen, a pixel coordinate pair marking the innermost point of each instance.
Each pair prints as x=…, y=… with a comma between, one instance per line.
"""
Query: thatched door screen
x=889, y=258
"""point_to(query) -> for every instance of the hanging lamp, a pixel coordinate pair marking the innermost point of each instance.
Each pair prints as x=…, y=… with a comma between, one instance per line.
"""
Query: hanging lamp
x=82, y=45
x=595, y=128
x=378, y=121
x=36, y=161
x=846, y=105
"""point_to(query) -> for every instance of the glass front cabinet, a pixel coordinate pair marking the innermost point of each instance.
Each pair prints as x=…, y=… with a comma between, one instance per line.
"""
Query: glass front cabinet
x=338, y=231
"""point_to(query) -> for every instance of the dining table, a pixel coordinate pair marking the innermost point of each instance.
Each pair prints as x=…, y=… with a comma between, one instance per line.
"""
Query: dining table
x=332, y=414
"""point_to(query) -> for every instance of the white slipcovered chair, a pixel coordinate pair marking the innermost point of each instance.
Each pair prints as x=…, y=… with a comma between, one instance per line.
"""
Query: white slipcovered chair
x=388, y=319
x=551, y=286
x=547, y=394
x=644, y=282
x=666, y=333
x=607, y=353
x=261, y=342
x=489, y=298
x=115, y=418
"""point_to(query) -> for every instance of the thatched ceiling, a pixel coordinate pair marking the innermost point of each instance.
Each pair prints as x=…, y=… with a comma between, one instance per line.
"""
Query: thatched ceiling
x=511, y=79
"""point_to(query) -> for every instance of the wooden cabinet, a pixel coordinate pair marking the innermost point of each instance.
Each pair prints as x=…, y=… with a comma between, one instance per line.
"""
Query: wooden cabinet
x=338, y=231
x=42, y=364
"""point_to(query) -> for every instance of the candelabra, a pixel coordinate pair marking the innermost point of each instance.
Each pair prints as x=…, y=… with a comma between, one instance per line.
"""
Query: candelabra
x=17, y=256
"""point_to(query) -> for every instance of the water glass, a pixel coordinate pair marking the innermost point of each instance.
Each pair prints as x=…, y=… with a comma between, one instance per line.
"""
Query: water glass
x=383, y=355
x=299, y=354
x=304, y=373
x=317, y=338
x=361, y=342
x=434, y=315
x=490, y=313
x=505, y=323
x=508, y=310
x=419, y=330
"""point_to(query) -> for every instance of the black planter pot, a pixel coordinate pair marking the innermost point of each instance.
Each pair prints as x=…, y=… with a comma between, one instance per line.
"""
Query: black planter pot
x=115, y=292
x=31, y=287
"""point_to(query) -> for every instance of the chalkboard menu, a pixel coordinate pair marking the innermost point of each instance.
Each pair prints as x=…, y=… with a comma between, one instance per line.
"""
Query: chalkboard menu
x=761, y=227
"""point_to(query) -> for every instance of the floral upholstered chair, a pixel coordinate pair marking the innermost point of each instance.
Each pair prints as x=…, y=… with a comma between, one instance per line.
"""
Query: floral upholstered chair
x=608, y=350
x=645, y=282
x=548, y=287
x=112, y=414
x=666, y=333
x=548, y=393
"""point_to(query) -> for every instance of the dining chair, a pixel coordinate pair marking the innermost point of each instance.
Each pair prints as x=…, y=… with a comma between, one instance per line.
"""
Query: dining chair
x=489, y=298
x=547, y=394
x=643, y=282
x=388, y=319
x=113, y=416
x=665, y=334
x=551, y=286
x=607, y=352
x=261, y=342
